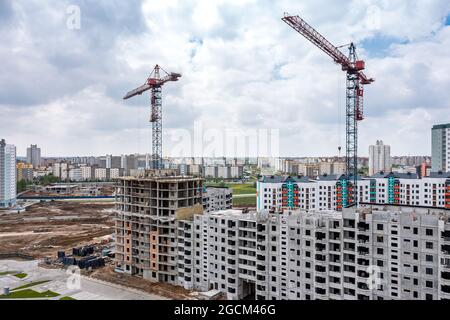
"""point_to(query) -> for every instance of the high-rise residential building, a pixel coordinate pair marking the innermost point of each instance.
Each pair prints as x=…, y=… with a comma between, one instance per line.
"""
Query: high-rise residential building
x=87, y=173
x=25, y=172
x=8, y=185
x=75, y=174
x=440, y=148
x=146, y=222
x=379, y=158
x=113, y=162
x=34, y=156
x=371, y=253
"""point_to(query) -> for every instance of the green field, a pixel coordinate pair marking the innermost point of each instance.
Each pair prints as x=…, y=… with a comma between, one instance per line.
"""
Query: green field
x=29, y=294
x=244, y=202
x=238, y=188
x=20, y=275
x=5, y=273
x=67, y=298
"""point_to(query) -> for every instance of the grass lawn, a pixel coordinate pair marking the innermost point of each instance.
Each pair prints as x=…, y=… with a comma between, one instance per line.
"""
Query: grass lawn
x=31, y=284
x=67, y=298
x=20, y=275
x=29, y=294
x=238, y=188
x=244, y=202
x=5, y=273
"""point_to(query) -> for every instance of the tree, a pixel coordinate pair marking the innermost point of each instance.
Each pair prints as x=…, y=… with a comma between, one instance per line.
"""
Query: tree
x=48, y=179
x=21, y=186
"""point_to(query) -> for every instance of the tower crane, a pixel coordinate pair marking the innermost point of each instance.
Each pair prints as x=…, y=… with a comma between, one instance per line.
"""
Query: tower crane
x=154, y=83
x=356, y=80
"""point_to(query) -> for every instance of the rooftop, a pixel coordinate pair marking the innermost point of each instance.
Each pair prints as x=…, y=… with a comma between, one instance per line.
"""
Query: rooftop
x=441, y=126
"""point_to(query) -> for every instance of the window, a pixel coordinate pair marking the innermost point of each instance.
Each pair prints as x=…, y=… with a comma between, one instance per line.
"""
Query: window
x=429, y=232
x=429, y=258
x=379, y=227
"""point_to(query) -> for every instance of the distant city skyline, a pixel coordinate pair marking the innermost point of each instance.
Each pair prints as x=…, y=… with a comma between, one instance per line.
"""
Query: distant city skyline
x=242, y=67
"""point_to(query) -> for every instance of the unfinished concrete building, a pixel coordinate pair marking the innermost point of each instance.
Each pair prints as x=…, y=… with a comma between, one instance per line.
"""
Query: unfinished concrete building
x=148, y=208
x=216, y=198
x=371, y=253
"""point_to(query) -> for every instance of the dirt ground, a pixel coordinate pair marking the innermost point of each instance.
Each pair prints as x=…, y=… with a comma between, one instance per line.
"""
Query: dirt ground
x=162, y=289
x=45, y=228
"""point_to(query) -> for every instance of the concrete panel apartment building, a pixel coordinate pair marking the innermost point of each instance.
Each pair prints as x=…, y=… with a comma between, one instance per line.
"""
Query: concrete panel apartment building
x=319, y=255
x=164, y=233
x=146, y=222
x=215, y=199
x=331, y=192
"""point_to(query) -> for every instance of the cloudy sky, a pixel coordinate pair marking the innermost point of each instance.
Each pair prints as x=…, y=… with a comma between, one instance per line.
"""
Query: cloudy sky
x=61, y=87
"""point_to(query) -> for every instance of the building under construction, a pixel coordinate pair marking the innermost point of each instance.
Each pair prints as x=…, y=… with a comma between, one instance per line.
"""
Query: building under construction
x=148, y=209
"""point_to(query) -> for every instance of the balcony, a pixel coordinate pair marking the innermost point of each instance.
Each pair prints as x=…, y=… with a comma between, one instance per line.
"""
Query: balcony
x=363, y=238
x=320, y=247
x=363, y=286
x=363, y=262
x=320, y=257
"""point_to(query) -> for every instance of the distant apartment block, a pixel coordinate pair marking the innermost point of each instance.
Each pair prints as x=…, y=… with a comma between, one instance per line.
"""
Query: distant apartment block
x=311, y=169
x=215, y=199
x=61, y=170
x=34, y=156
x=223, y=172
x=379, y=158
x=113, y=162
x=7, y=175
x=25, y=172
x=440, y=148
x=277, y=193
x=87, y=173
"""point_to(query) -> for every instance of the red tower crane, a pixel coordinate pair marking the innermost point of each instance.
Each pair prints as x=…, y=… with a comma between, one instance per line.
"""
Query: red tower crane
x=155, y=82
x=356, y=80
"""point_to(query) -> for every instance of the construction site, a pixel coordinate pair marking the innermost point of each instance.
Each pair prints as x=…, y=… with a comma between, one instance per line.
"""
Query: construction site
x=151, y=222
x=45, y=228
x=59, y=234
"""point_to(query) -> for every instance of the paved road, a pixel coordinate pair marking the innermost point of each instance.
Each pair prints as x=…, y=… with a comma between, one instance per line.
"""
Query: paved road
x=82, y=288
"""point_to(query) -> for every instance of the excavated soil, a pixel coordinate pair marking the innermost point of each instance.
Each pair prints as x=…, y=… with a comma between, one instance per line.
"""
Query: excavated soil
x=44, y=228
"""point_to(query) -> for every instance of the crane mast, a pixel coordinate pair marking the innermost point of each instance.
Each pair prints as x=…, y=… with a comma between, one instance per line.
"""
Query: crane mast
x=356, y=80
x=154, y=83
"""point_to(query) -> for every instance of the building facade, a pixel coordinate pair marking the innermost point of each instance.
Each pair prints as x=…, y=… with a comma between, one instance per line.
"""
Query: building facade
x=379, y=158
x=215, y=199
x=372, y=253
x=34, y=156
x=148, y=210
x=276, y=193
x=440, y=148
x=8, y=184
x=25, y=172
